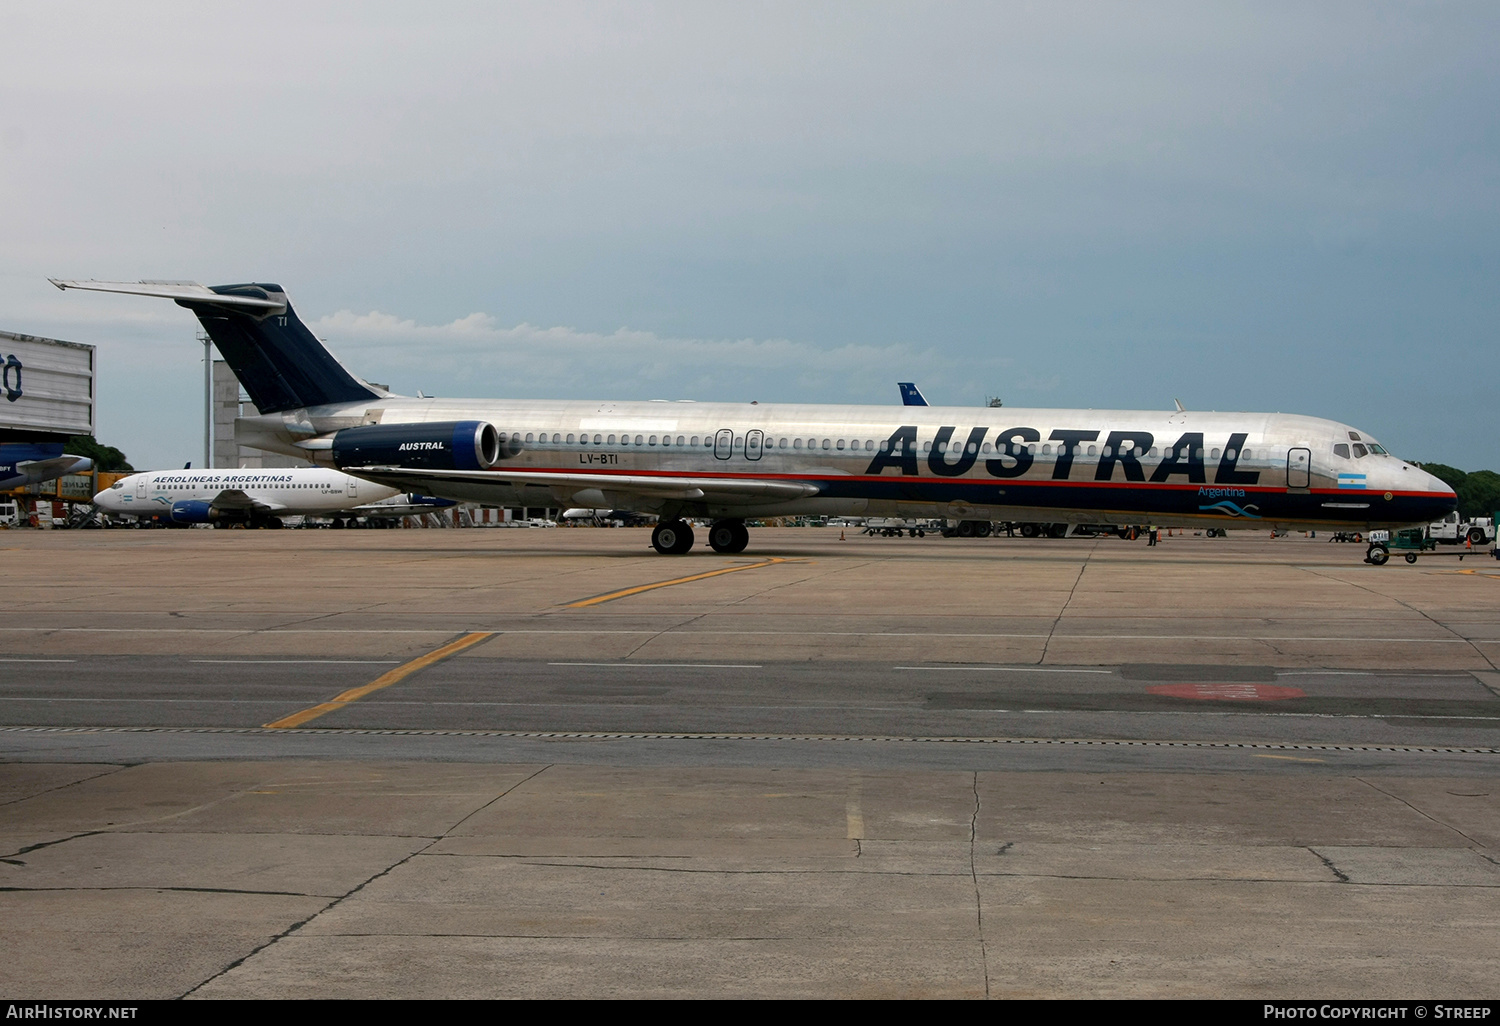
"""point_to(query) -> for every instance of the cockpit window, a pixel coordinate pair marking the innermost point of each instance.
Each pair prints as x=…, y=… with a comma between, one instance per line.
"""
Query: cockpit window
x=1340, y=449
x=115, y=485
x=1354, y=436
x=1378, y=450
x=1360, y=451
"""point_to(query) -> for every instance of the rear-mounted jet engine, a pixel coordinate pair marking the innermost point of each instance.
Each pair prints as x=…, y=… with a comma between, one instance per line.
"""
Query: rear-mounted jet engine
x=448, y=445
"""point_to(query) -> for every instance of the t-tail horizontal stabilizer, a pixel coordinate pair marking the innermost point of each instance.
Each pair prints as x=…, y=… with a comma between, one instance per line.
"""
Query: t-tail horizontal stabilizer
x=279, y=361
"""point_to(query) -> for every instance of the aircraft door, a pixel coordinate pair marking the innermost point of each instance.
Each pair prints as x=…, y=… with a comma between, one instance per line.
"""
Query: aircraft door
x=351, y=486
x=1299, y=468
x=140, y=487
x=752, y=445
x=724, y=444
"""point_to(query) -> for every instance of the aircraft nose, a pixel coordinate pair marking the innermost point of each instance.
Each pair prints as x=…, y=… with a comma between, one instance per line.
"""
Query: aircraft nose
x=1437, y=499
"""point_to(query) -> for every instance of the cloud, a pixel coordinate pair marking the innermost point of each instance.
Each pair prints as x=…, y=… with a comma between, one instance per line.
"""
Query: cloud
x=476, y=354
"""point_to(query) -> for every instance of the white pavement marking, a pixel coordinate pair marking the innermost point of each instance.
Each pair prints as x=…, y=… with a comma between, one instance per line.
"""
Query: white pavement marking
x=301, y=662
x=674, y=666
x=1005, y=669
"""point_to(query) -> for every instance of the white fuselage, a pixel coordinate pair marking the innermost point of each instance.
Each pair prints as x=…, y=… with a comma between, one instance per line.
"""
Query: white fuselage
x=1083, y=466
x=293, y=491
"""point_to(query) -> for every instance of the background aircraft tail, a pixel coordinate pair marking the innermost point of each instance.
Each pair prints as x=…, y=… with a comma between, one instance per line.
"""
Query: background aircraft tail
x=281, y=364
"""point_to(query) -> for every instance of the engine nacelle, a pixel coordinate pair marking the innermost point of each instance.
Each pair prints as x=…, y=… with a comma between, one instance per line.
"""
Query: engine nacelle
x=445, y=445
x=192, y=511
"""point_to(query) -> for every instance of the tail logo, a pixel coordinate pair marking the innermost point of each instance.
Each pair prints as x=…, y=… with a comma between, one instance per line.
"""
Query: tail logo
x=12, y=369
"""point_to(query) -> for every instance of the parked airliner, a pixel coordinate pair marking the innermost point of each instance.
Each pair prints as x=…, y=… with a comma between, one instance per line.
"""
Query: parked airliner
x=257, y=498
x=734, y=461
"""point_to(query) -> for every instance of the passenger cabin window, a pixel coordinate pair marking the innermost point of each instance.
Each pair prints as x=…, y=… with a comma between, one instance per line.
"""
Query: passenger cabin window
x=1340, y=449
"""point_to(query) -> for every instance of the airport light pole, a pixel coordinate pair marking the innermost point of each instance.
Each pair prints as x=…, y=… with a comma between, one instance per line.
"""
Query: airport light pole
x=208, y=400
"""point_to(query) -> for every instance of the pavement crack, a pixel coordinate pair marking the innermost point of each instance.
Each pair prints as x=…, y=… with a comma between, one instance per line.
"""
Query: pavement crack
x=1419, y=812
x=470, y=815
x=11, y=856
x=299, y=924
x=1335, y=870
x=61, y=787
x=167, y=888
x=984, y=960
x=663, y=633
x=1408, y=606
x=1061, y=612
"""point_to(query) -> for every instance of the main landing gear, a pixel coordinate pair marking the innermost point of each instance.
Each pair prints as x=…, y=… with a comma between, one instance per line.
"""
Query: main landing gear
x=672, y=537
x=675, y=537
x=728, y=536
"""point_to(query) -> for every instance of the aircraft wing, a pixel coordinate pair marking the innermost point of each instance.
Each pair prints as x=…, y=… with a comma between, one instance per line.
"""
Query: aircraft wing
x=36, y=471
x=685, y=487
x=236, y=499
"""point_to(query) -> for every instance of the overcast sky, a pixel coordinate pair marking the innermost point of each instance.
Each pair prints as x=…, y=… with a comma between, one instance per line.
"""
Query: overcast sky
x=1256, y=207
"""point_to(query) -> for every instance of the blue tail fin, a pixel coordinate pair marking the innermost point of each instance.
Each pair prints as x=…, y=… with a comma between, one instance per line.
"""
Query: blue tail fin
x=281, y=364
x=910, y=394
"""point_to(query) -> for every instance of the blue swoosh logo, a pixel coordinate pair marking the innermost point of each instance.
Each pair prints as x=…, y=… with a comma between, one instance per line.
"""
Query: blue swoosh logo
x=1235, y=511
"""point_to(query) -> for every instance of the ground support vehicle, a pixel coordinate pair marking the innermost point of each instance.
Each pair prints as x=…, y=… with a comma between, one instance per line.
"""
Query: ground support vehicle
x=894, y=527
x=1411, y=541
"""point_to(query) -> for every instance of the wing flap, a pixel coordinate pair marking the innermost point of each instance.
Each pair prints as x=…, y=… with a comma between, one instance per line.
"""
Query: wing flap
x=236, y=499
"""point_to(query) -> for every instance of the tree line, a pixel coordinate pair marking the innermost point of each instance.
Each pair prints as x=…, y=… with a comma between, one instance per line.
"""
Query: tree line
x=1478, y=492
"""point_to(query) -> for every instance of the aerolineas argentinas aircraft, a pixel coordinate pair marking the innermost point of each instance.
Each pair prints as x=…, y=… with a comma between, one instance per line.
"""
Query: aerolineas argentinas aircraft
x=734, y=461
x=256, y=497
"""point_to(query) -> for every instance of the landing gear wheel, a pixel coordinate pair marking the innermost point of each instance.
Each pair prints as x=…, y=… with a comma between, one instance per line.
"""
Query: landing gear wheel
x=728, y=536
x=1411, y=557
x=672, y=538
x=1377, y=554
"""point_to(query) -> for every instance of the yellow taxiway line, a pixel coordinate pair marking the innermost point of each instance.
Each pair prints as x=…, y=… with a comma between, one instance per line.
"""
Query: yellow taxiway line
x=627, y=592
x=385, y=680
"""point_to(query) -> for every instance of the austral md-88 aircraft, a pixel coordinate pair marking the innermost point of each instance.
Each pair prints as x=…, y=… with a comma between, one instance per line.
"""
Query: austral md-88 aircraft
x=734, y=461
